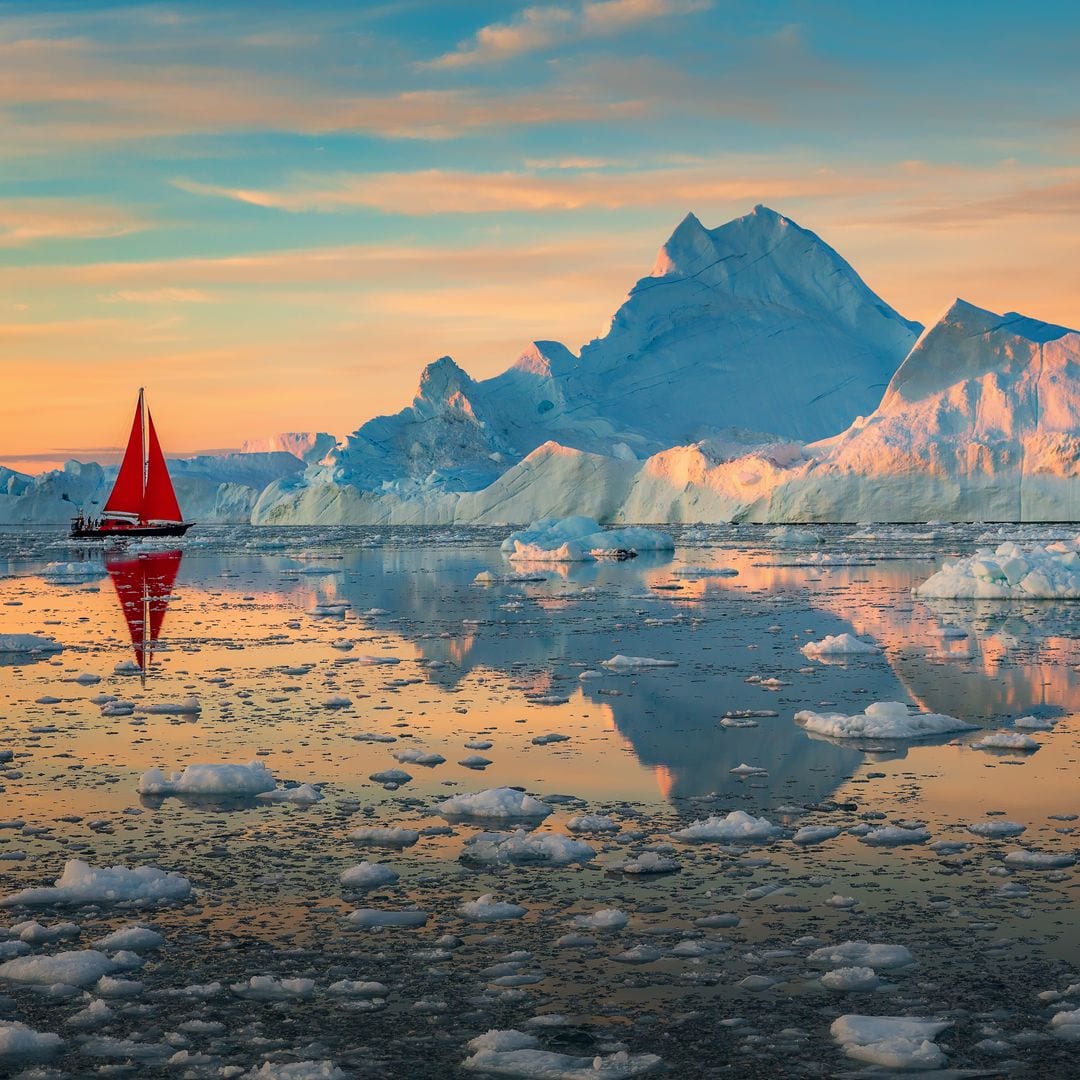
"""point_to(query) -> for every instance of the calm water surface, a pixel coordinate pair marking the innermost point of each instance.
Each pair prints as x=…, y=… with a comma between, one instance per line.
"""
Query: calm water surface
x=266, y=629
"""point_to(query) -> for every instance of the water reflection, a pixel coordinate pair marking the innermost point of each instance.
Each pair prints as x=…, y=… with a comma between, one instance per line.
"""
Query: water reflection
x=528, y=642
x=144, y=585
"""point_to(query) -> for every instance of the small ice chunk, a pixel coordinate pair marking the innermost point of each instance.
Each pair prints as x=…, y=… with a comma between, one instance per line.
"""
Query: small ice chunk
x=851, y=979
x=369, y=875
x=881, y=720
x=494, y=803
x=893, y=1042
x=833, y=645
x=487, y=909
x=81, y=883
x=738, y=826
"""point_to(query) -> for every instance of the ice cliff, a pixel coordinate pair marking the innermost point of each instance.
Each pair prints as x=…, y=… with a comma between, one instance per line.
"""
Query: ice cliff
x=716, y=394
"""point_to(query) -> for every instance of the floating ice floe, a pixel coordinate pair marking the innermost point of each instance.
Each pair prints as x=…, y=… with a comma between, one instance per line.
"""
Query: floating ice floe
x=748, y=770
x=73, y=573
x=1025, y=859
x=1006, y=740
x=267, y=988
x=391, y=778
x=384, y=837
x=134, y=939
x=81, y=883
x=621, y=662
x=296, y=794
x=835, y=645
x=295, y=1070
x=603, y=919
x=486, y=577
x=894, y=836
x=881, y=720
x=513, y=1053
x=651, y=862
x=29, y=643
x=815, y=834
x=237, y=781
x=1066, y=1024
x=487, y=909
x=705, y=571
x=188, y=707
x=1010, y=571
x=1033, y=723
x=415, y=756
x=862, y=954
x=501, y=802
x=738, y=826
x=595, y=823
x=80, y=967
x=23, y=1045
x=474, y=761
x=893, y=1042
x=558, y=540
x=369, y=875
x=521, y=847
x=996, y=828
x=790, y=536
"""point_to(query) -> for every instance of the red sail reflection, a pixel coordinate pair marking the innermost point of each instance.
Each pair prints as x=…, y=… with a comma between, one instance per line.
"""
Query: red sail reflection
x=144, y=587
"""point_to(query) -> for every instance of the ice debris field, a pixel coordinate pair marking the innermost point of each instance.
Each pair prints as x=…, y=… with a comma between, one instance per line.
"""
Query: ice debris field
x=439, y=802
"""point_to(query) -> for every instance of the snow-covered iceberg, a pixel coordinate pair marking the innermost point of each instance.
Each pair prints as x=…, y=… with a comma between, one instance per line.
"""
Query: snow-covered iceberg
x=881, y=720
x=574, y=539
x=1010, y=571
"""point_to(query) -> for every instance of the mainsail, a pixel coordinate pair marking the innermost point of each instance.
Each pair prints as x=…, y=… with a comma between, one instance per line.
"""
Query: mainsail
x=143, y=491
x=144, y=587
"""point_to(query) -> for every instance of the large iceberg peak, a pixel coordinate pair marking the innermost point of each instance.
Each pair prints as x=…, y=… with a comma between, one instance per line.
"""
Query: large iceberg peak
x=442, y=380
x=546, y=359
x=968, y=342
x=689, y=246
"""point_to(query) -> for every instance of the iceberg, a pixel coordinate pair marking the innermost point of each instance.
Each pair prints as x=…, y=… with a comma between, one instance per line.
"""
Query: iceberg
x=881, y=720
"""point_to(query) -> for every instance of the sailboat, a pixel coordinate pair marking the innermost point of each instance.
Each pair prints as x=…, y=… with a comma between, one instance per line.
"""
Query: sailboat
x=143, y=502
x=144, y=587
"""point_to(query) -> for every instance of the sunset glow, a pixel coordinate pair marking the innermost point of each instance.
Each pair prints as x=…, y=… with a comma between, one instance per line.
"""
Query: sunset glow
x=273, y=217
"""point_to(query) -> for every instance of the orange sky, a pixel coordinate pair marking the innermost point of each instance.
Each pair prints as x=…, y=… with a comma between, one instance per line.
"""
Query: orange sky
x=275, y=228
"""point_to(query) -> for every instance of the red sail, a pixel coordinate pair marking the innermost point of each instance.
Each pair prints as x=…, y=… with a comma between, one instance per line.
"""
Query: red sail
x=127, y=492
x=144, y=587
x=159, y=502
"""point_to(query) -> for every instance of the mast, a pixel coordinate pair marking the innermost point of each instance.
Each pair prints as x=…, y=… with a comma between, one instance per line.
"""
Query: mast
x=144, y=658
x=145, y=453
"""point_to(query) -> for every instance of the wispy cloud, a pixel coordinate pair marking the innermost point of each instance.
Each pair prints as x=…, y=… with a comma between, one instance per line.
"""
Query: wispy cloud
x=59, y=93
x=164, y=295
x=440, y=191
x=25, y=221
x=543, y=27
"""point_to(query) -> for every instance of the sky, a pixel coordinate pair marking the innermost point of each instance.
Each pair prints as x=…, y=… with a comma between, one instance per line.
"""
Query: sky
x=273, y=215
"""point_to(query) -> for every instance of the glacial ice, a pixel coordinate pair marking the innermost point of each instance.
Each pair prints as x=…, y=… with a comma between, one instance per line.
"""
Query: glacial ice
x=738, y=826
x=81, y=883
x=1010, y=571
x=494, y=803
x=223, y=780
x=892, y=1042
x=881, y=720
x=839, y=645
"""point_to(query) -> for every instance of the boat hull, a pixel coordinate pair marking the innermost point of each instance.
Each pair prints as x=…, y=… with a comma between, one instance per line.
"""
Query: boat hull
x=129, y=532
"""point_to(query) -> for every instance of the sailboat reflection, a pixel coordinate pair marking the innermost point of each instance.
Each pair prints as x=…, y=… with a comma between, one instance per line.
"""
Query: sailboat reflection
x=144, y=587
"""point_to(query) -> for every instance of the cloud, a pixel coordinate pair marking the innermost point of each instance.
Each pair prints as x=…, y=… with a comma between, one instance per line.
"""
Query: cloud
x=537, y=28
x=25, y=221
x=56, y=93
x=1061, y=199
x=441, y=191
x=164, y=295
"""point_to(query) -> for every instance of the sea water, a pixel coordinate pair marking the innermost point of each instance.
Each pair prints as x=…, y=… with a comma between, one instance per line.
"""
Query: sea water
x=329, y=656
